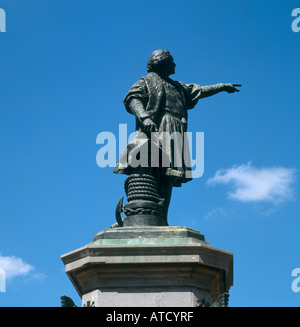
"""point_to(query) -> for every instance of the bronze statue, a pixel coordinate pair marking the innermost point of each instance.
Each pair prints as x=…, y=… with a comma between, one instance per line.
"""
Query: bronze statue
x=160, y=106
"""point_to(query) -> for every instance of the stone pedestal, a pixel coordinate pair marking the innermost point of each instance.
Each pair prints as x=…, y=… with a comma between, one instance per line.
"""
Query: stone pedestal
x=149, y=267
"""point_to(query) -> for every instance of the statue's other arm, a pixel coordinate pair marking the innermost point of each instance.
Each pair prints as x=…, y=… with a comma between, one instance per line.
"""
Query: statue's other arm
x=137, y=108
x=135, y=103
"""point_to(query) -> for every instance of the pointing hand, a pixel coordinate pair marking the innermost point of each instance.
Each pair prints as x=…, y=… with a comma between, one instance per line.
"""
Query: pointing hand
x=231, y=88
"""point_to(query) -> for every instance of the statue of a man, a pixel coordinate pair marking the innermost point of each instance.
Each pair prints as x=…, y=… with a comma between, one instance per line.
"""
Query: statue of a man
x=161, y=105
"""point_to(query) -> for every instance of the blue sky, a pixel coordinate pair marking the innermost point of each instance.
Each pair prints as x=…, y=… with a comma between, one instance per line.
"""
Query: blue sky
x=65, y=68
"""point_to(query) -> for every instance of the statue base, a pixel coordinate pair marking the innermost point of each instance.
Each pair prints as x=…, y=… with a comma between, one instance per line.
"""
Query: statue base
x=162, y=266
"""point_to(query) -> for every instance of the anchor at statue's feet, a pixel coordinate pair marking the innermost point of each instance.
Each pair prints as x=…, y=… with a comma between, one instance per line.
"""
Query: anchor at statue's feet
x=145, y=207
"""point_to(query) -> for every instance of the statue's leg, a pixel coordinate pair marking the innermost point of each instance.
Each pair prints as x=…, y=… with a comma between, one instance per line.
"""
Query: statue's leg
x=166, y=184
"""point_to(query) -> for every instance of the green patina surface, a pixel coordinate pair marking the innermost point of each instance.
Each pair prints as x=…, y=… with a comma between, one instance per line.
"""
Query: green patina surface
x=148, y=241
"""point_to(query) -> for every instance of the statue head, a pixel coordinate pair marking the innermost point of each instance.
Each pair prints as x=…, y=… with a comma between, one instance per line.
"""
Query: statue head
x=162, y=62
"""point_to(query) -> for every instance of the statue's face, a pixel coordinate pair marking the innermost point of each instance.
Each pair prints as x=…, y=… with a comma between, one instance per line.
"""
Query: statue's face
x=170, y=66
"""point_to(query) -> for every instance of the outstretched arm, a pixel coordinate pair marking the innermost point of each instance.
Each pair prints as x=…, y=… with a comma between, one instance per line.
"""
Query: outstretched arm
x=194, y=92
x=209, y=90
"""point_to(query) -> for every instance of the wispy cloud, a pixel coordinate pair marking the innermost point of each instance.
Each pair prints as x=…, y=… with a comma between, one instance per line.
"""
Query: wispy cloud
x=14, y=266
x=218, y=213
x=251, y=184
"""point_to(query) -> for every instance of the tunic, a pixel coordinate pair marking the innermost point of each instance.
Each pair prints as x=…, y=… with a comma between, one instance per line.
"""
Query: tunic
x=166, y=103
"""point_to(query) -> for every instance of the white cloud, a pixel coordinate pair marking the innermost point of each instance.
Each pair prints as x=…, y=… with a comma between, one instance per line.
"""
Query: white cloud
x=251, y=184
x=14, y=266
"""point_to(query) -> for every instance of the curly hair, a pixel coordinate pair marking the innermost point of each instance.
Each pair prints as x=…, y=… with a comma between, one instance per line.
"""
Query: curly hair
x=157, y=60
